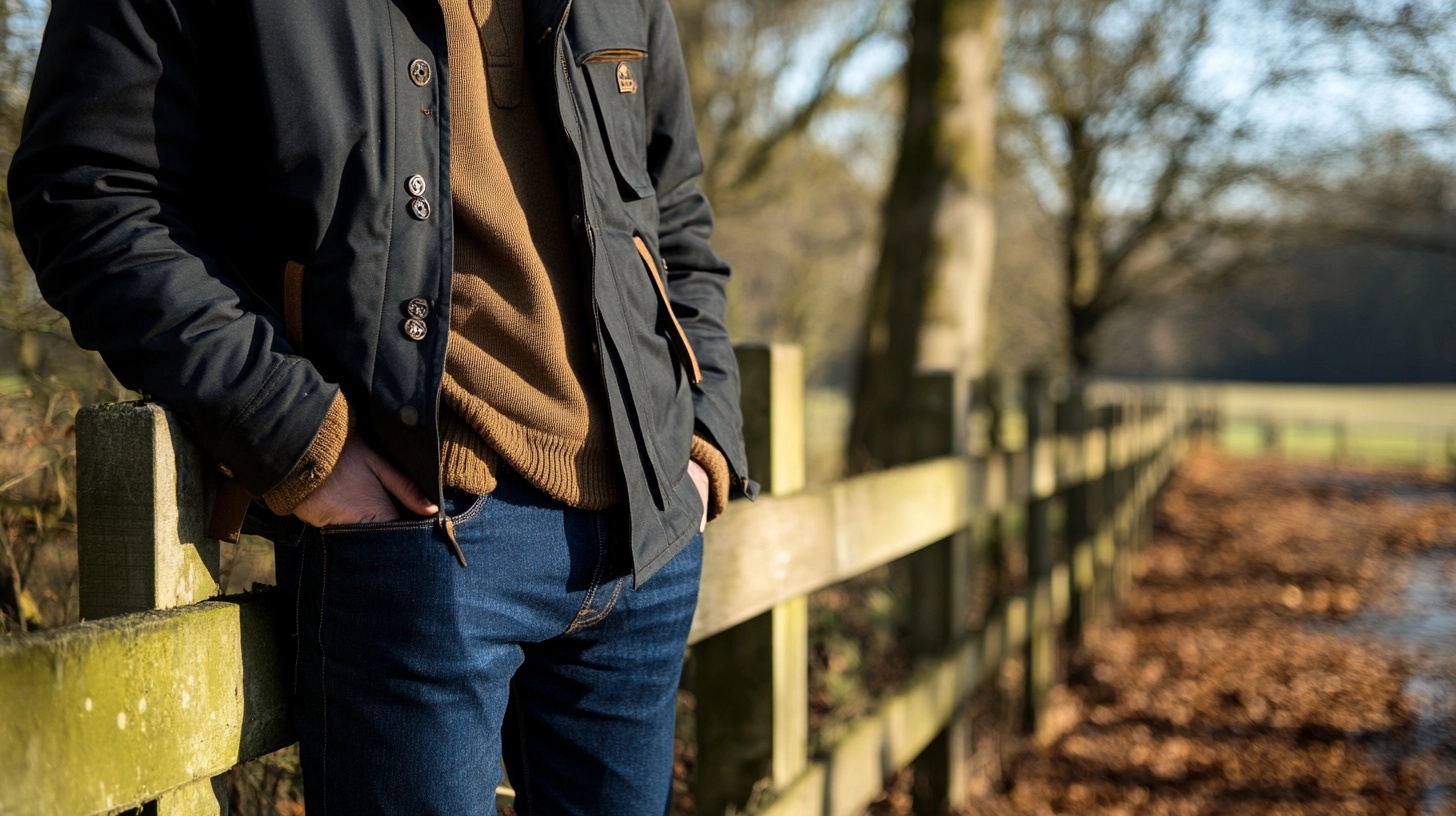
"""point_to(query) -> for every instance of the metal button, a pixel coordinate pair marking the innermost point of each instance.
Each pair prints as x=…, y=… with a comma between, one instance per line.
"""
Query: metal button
x=409, y=416
x=415, y=328
x=417, y=307
x=415, y=184
x=419, y=72
x=419, y=208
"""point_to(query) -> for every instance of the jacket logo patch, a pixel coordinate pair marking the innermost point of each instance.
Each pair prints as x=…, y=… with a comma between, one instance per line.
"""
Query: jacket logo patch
x=626, y=83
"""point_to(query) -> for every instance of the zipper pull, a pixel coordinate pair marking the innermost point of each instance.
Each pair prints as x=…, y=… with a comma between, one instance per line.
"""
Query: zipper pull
x=448, y=525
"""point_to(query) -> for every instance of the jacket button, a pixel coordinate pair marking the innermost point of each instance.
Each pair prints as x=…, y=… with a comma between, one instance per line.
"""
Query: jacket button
x=417, y=307
x=409, y=416
x=415, y=328
x=415, y=184
x=419, y=208
x=419, y=72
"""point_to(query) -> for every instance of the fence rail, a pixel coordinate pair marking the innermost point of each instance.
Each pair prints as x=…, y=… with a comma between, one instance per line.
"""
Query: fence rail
x=148, y=704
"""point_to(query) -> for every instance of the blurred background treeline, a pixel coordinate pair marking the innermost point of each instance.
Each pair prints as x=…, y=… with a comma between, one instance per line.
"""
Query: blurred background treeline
x=1230, y=189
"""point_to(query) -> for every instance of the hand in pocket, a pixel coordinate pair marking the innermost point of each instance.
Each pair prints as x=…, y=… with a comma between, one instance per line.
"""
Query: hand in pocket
x=359, y=489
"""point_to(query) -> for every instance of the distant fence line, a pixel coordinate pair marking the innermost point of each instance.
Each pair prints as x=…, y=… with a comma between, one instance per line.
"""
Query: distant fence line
x=1302, y=436
x=164, y=688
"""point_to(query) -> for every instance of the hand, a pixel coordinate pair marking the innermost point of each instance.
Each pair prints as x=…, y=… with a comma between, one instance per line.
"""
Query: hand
x=357, y=490
x=700, y=478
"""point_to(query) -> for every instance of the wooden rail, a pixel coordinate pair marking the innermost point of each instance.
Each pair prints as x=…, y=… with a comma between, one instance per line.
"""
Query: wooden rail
x=147, y=705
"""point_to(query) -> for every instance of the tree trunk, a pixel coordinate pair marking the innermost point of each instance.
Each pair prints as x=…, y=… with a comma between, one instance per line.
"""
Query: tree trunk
x=927, y=307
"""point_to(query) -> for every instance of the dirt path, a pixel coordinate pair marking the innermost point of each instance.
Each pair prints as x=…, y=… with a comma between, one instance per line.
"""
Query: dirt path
x=1290, y=648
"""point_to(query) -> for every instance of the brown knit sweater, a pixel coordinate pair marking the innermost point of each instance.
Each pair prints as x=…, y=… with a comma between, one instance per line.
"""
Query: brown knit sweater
x=522, y=383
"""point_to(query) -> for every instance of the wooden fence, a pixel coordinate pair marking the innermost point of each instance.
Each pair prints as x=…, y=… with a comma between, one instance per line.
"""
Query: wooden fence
x=1429, y=445
x=164, y=688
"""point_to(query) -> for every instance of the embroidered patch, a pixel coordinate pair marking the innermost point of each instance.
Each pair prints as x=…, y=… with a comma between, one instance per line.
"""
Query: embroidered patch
x=626, y=83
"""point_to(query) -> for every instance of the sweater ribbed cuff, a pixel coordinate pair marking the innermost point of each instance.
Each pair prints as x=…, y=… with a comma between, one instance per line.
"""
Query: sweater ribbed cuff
x=317, y=462
x=712, y=461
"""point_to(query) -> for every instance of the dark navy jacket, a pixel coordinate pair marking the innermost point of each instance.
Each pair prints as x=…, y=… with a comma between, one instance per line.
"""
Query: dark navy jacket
x=178, y=155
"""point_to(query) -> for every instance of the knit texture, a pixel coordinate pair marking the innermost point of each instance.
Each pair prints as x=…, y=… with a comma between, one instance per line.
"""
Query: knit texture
x=519, y=371
x=715, y=464
x=317, y=462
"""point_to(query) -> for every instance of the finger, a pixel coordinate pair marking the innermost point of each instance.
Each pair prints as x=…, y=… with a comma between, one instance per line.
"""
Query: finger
x=401, y=486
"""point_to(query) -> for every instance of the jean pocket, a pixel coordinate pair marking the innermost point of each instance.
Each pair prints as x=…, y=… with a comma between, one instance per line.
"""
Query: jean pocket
x=459, y=507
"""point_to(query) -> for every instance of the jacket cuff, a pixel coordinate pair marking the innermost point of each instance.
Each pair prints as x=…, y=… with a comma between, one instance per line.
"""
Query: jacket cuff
x=317, y=462
x=711, y=460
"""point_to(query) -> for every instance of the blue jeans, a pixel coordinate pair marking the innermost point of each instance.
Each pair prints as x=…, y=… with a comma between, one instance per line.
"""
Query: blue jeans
x=413, y=677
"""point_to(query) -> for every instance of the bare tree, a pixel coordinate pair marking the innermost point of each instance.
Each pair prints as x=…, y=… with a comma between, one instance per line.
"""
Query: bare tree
x=763, y=72
x=928, y=295
x=1412, y=39
x=1395, y=188
x=790, y=102
x=1109, y=122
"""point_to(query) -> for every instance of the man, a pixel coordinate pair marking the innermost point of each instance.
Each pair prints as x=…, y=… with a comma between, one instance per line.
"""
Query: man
x=431, y=280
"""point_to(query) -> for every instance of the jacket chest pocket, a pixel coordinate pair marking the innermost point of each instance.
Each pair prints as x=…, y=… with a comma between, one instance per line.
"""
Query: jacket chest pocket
x=616, y=77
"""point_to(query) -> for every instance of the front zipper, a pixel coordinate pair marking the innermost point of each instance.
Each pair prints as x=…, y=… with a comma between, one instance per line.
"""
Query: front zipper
x=444, y=522
x=293, y=305
x=591, y=244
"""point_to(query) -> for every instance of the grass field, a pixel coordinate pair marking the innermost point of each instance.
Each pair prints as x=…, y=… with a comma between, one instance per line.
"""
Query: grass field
x=1410, y=424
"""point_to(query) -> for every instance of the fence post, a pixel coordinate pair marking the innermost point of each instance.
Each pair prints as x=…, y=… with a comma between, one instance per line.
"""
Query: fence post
x=1109, y=500
x=143, y=496
x=1269, y=433
x=1078, y=528
x=1041, y=657
x=753, y=680
x=940, y=583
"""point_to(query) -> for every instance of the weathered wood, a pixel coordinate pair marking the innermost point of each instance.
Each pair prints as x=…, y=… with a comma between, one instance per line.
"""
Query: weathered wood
x=142, y=505
x=778, y=548
x=1042, y=640
x=752, y=679
x=940, y=582
x=198, y=686
x=854, y=770
x=1072, y=422
x=145, y=495
x=772, y=385
x=109, y=714
x=203, y=797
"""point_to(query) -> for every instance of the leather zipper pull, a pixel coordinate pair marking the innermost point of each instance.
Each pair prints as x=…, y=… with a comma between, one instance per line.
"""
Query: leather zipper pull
x=448, y=525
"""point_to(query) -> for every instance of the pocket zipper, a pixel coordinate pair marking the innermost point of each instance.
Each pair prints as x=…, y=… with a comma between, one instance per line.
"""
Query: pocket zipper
x=679, y=337
x=615, y=55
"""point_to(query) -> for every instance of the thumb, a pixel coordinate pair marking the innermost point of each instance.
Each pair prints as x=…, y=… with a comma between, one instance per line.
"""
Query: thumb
x=400, y=485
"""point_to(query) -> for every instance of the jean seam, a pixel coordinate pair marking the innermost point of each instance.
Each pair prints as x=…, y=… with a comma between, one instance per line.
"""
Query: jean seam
x=583, y=623
x=584, y=615
x=298, y=616
x=521, y=747
x=323, y=671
